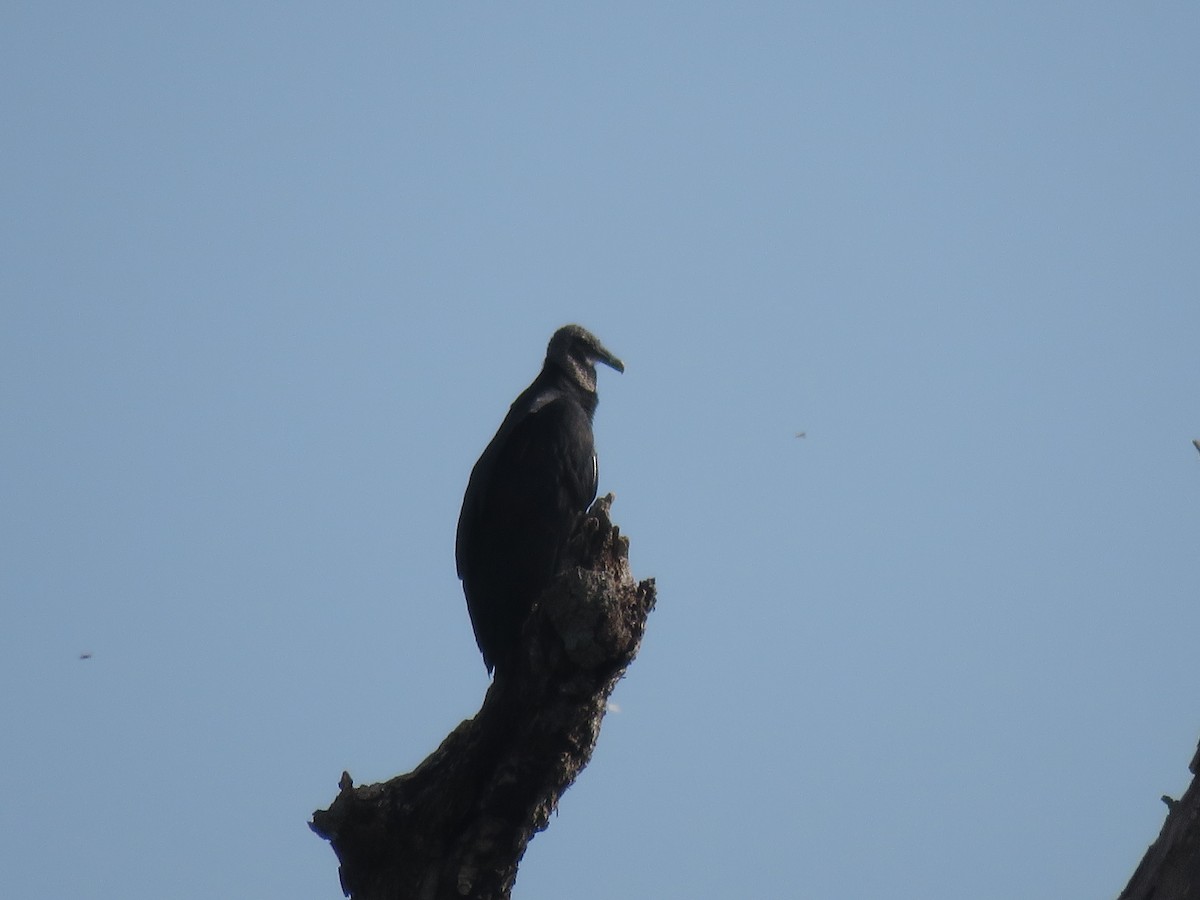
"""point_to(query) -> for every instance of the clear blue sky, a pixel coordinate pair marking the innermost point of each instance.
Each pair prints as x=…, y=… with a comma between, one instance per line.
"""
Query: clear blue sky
x=271, y=274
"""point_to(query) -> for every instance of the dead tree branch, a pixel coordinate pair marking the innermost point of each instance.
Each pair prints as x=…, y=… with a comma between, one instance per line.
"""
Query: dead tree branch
x=1170, y=870
x=457, y=826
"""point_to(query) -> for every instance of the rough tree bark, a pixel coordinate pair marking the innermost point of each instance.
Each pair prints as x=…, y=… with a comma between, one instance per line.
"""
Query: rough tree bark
x=1170, y=870
x=458, y=825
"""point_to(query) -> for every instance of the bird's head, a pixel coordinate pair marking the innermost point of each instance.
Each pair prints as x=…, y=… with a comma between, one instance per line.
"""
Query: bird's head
x=576, y=351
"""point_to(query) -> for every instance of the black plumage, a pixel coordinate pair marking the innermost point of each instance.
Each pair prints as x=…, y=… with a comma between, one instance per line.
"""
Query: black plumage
x=535, y=477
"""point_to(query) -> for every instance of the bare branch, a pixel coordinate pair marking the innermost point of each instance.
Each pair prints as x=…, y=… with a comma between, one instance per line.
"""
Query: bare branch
x=1170, y=870
x=457, y=825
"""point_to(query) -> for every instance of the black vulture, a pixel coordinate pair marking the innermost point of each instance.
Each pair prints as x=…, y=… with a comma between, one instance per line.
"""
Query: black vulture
x=535, y=477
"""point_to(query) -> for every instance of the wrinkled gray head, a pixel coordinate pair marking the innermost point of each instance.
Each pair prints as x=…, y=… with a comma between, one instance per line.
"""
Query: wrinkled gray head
x=576, y=351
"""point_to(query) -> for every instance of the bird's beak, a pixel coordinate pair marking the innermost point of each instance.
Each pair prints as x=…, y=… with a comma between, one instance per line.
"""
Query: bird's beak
x=602, y=355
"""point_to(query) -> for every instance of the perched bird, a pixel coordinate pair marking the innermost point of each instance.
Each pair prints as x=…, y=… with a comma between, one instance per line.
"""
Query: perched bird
x=537, y=474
